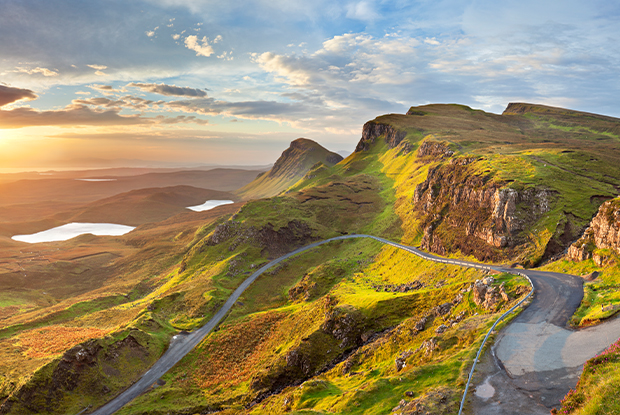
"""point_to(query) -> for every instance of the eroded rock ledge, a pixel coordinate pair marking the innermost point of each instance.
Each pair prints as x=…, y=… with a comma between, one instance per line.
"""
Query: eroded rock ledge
x=602, y=234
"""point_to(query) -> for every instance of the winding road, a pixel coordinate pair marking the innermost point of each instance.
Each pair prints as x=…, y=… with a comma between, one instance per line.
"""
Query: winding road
x=537, y=358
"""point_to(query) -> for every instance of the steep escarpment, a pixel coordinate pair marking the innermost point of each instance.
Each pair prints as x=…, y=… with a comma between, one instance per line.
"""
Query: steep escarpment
x=520, y=187
x=372, y=130
x=293, y=164
x=460, y=209
x=602, y=238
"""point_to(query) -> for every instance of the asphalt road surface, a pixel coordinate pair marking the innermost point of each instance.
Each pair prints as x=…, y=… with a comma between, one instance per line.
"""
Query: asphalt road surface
x=537, y=359
x=523, y=350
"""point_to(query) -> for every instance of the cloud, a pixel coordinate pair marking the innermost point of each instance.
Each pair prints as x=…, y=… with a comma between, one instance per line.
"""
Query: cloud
x=176, y=36
x=362, y=10
x=107, y=89
x=98, y=67
x=80, y=113
x=71, y=115
x=200, y=46
x=226, y=56
x=9, y=94
x=150, y=33
x=181, y=119
x=42, y=71
x=169, y=90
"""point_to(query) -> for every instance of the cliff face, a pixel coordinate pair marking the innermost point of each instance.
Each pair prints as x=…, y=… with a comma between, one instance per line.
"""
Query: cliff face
x=373, y=130
x=460, y=209
x=602, y=234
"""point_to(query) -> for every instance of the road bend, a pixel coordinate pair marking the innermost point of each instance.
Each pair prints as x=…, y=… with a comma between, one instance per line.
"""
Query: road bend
x=520, y=351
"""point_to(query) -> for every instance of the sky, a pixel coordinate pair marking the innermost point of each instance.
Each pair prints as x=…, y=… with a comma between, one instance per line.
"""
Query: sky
x=184, y=82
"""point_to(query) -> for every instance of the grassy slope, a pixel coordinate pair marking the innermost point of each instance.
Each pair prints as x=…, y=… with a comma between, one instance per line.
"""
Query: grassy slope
x=368, y=192
x=292, y=165
x=597, y=390
x=86, y=288
x=269, y=322
x=520, y=151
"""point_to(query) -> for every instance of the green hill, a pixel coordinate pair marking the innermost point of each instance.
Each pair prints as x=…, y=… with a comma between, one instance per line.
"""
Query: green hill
x=352, y=327
x=293, y=164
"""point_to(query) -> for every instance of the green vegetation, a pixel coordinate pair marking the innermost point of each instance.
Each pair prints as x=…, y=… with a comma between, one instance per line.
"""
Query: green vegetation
x=349, y=327
x=597, y=389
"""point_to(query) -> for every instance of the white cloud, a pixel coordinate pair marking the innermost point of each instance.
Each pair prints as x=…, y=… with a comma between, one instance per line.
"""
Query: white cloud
x=42, y=71
x=226, y=56
x=200, y=46
x=151, y=33
x=82, y=93
x=98, y=67
x=363, y=10
x=176, y=36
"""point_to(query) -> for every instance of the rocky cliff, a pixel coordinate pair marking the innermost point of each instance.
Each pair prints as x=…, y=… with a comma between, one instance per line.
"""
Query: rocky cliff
x=372, y=130
x=602, y=238
x=460, y=209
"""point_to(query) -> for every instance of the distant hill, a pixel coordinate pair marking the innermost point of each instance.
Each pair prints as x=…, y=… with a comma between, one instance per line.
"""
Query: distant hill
x=148, y=205
x=68, y=190
x=292, y=165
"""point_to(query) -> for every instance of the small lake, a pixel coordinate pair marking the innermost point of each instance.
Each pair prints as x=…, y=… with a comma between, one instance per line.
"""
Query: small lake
x=210, y=204
x=71, y=230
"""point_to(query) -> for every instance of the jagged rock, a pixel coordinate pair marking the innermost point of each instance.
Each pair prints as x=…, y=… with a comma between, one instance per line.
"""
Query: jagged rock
x=372, y=130
x=491, y=298
x=480, y=290
x=419, y=326
x=441, y=329
x=434, y=149
x=502, y=292
x=486, y=295
x=443, y=309
x=394, y=288
x=603, y=233
x=458, y=319
x=457, y=300
x=429, y=346
x=401, y=360
x=488, y=280
x=591, y=276
x=346, y=325
x=275, y=242
x=478, y=209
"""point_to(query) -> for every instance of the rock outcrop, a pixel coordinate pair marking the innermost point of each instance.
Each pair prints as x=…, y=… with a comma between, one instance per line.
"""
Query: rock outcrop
x=464, y=210
x=487, y=295
x=602, y=234
x=274, y=242
x=373, y=130
x=79, y=369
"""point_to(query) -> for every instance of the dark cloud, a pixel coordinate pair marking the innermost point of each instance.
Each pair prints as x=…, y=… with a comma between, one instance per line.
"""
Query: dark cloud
x=80, y=114
x=71, y=115
x=103, y=87
x=170, y=90
x=9, y=94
